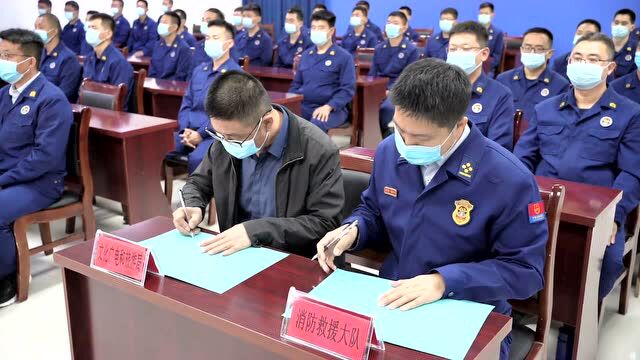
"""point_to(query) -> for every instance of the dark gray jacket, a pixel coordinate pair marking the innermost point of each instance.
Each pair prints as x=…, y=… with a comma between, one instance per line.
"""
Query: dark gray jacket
x=309, y=190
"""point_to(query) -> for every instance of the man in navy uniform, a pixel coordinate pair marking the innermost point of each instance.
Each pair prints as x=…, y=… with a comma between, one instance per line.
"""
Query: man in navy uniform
x=491, y=106
x=585, y=26
x=36, y=120
x=171, y=58
x=590, y=134
x=390, y=58
x=199, y=55
x=58, y=64
x=369, y=25
x=410, y=33
x=358, y=36
x=85, y=48
x=326, y=76
x=496, y=36
x=106, y=64
x=629, y=85
x=254, y=42
x=236, y=19
x=167, y=5
x=73, y=32
x=625, y=41
x=295, y=41
x=183, y=31
x=437, y=45
x=432, y=200
x=121, y=33
x=143, y=32
x=534, y=82
x=44, y=7
x=192, y=138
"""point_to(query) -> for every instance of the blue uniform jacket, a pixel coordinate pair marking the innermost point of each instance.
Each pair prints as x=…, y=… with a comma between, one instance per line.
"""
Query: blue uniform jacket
x=389, y=61
x=143, y=36
x=63, y=70
x=287, y=51
x=560, y=64
x=199, y=56
x=33, y=137
x=526, y=94
x=121, y=36
x=628, y=86
x=412, y=34
x=73, y=36
x=325, y=79
x=111, y=68
x=437, y=47
x=259, y=48
x=496, y=45
x=375, y=29
x=625, y=58
x=85, y=48
x=491, y=110
x=598, y=147
x=484, y=246
x=352, y=42
x=188, y=38
x=171, y=62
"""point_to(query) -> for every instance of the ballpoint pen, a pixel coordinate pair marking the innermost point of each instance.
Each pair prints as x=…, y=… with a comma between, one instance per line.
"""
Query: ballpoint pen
x=184, y=208
x=338, y=237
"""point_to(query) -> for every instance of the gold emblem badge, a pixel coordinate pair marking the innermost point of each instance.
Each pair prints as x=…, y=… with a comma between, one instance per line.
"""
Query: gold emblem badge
x=462, y=213
x=606, y=121
x=544, y=92
x=476, y=108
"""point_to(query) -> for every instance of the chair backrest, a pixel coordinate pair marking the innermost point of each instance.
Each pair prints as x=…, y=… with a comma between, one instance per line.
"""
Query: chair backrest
x=364, y=55
x=632, y=224
x=487, y=65
x=244, y=63
x=356, y=172
x=268, y=28
x=296, y=63
x=136, y=102
x=78, y=163
x=424, y=33
x=512, y=51
x=517, y=122
x=105, y=96
x=274, y=53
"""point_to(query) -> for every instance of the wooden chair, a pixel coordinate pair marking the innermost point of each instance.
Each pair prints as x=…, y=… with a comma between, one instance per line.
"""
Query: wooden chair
x=269, y=29
x=296, y=63
x=77, y=200
x=274, y=54
x=425, y=34
x=136, y=102
x=364, y=59
x=244, y=63
x=105, y=96
x=487, y=65
x=519, y=126
x=352, y=127
x=512, y=52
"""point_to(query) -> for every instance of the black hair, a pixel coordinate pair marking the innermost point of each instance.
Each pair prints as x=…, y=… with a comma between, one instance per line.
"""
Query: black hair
x=364, y=3
x=174, y=16
x=324, y=15
x=320, y=6
x=487, y=5
x=297, y=12
x=407, y=9
x=120, y=1
x=29, y=42
x=171, y=2
x=540, y=30
x=46, y=2
x=218, y=12
x=53, y=21
x=451, y=11
x=255, y=8
x=401, y=15
x=434, y=91
x=472, y=27
x=106, y=21
x=181, y=13
x=229, y=29
x=362, y=9
x=91, y=12
x=146, y=3
x=237, y=95
x=239, y=8
x=601, y=38
x=592, y=22
x=73, y=4
x=629, y=12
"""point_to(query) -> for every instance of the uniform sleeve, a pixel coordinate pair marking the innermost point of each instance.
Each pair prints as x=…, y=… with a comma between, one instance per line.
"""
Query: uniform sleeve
x=372, y=42
x=501, y=128
x=51, y=136
x=414, y=56
x=374, y=71
x=152, y=36
x=267, y=51
x=527, y=148
x=184, y=115
x=122, y=73
x=278, y=62
x=130, y=42
x=70, y=82
x=516, y=264
x=122, y=33
x=296, y=84
x=497, y=50
x=628, y=180
x=184, y=64
x=153, y=68
x=347, y=88
x=427, y=50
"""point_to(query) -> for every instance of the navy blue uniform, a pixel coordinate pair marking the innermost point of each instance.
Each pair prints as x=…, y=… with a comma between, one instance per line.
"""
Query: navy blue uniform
x=199, y=56
x=412, y=34
x=111, y=68
x=325, y=79
x=560, y=64
x=485, y=246
x=491, y=110
x=121, y=36
x=529, y=93
x=171, y=62
x=287, y=51
x=188, y=38
x=598, y=146
x=85, y=48
x=33, y=139
x=625, y=58
x=628, y=86
x=437, y=47
x=259, y=48
x=352, y=42
x=143, y=36
x=496, y=46
x=63, y=70
x=375, y=29
x=73, y=36
x=192, y=113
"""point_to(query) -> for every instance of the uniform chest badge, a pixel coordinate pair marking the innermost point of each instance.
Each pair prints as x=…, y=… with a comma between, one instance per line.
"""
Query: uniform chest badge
x=490, y=37
x=25, y=110
x=299, y=50
x=327, y=63
x=628, y=57
x=606, y=121
x=476, y=108
x=74, y=30
x=462, y=213
x=401, y=56
x=389, y=191
x=257, y=42
x=118, y=22
x=145, y=27
x=52, y=65
x=173, y=54
x=544, y=92
x=363, y=42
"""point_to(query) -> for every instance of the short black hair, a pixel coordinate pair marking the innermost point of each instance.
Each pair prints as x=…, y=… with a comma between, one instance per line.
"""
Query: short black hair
x=487, y=5
x=53, y=21
x=320, y=6
x=401, y=15
x=434, y=91
x=364, y=3
x=46, y=2
x=120, y=1
x=593, y=22
x=28, y=41
x=362, y=9
x=472, y=27
x=146, y=3
x=174, y=17
x=629, y=12
x=181, y=13
x=297, y=12
x=218, y=12
x=73, y=4
x=451, y=11
x=601, y=38
x=237, y=95
x=324, y=15
x=91, y=12
x=106, y=21
x=239, y=8
x=407, y=9
x=540, y=30
x=229, y=29
x=255, y=8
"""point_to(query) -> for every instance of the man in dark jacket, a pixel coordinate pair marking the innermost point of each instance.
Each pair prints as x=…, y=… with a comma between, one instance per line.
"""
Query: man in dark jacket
x=275, y=177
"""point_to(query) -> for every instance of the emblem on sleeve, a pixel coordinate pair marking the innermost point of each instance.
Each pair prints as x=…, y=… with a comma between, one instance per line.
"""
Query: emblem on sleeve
x=536, y=212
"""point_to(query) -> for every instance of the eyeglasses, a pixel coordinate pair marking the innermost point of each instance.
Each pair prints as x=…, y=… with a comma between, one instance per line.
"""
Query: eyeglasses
x=592, y=61
x=533, y=49
x=5, y=55
x=462, y=48
x=216, y=135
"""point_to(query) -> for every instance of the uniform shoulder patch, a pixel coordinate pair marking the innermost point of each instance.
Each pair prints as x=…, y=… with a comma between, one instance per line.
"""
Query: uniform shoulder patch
x=536, y=212
x=466, y=169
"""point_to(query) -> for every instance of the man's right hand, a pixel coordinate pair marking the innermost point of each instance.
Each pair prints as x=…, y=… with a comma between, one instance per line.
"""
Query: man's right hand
x=186, y=227
x=326, y=259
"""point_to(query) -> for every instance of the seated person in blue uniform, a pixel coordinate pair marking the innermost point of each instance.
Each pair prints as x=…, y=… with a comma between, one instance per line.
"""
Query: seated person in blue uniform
x=44, y=7
x=183, y=31
x=629, y=85
x=625, y=41
x=585, y=26
x=254, y=42
x=534, y=82
x=121, y=34
x=437, y=45
x=326, y=76
x=236, y=19
x=36, y=120
x=192, y=138
x=167, y=5
x=85, y=48
x=278, y=175
x=200, y=55
x=143, y=34
x=73, y=32
x=375, y=29
x=491, y=107
x=106, y=64
x=496, y=36
x=431, y=200
x=410, y=33
x=358, y=35
x=590, y=135
x=390, y=58
x=58, y=64
x=171, y=58
x=294, y=42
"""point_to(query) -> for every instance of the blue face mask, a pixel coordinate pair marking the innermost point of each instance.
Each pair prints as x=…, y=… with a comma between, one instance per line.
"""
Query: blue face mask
x=319, y=37
x=9, y=71
x=163, y=29
x=290, y=28
x=68, y=15
x=484, y=19
x=93, y=37
x=140, y=11
x=42, y=11
x=637, y=59
x=417, y=154
x=44, y=35
x=392, y=30
x=115, y=11
x=532, y=60
x=236, y=20
x=619, y=31
x=248, y=148
x=584, y=76
x=86, y=27
x=248, y=22
x=446, y=25
x=165, y=8
x=464, y=60
x=214, y=48
x=355, y=21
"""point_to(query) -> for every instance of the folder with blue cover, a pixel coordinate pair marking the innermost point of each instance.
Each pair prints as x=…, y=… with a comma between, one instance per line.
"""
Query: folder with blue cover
x=180, y=257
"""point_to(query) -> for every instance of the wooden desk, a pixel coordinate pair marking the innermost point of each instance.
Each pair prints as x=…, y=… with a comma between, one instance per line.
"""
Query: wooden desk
x=142, y=62
x=163, y=98
x=126, y=157
x=585, y=226
x=167, y=319
x=370, y=93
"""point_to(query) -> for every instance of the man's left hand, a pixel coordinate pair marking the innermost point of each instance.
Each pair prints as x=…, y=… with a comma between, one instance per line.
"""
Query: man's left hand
x=228, y=242
x=138, y=53
x=411, y=293
x=322, y=113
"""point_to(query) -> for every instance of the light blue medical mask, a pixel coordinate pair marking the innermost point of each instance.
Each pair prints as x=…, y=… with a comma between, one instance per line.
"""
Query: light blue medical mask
x=355, y=21
x=446, y=25
x=532, y=60
x=248, y=22
x=93, y=37
x=290, y=28
x=44, y=35
x=576, y=37
x=42, y=11
x=115, y=11
x=203, y=27
x=484, y=19
x=163, y=29
x=214, y=48
x=637, y=59
x=319, y=37
x=236, y=20
x=68, y=15
x=165, y=8
x=464, y=60
x=244, y=150
x=417, y=154
x=140, y=11
x=585, y=76
x=9, y=71
x=392, y=30
x=86, y=27
x=619, y=31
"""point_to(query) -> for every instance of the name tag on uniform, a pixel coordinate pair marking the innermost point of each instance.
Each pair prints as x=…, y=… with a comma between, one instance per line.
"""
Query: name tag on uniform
x=536, y=212
x=389, y=191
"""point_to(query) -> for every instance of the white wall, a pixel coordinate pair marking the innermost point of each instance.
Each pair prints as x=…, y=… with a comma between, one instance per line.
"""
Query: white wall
x=22, y=13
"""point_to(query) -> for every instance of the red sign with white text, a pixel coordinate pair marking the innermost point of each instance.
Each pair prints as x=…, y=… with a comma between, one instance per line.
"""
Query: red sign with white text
x=120, y=256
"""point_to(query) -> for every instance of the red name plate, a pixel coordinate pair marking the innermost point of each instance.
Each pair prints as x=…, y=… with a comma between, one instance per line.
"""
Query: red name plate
x=121, y=257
